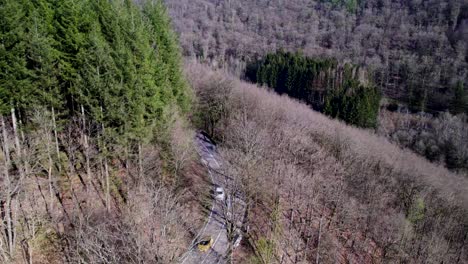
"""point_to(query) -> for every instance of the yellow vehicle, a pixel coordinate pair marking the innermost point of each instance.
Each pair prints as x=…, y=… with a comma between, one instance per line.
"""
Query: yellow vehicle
x=205, y=244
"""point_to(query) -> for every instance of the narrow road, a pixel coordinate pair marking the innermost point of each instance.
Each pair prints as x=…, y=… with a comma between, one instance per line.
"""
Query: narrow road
x=216, y=223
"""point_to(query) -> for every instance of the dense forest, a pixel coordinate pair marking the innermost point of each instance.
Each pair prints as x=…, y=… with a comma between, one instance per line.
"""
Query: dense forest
x=66, y=55
x=320, y=191
x=338, y=90
x=416, y=51
x=92, y=104
x=98, y=112
x=442, y=140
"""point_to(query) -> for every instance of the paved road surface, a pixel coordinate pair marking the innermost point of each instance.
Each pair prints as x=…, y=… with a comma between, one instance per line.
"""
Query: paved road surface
x=215, y=225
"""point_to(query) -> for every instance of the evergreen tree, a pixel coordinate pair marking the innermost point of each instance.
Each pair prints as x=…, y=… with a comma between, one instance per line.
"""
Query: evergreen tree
x=459, y=102
x=15, y=82
x=305, y=78
x=42, y=56
x=168, y=50
x=117, y=60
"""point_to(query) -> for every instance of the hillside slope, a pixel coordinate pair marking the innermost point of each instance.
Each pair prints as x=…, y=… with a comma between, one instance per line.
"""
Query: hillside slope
x=318, y=189
x=95, y=142
x=416, y=50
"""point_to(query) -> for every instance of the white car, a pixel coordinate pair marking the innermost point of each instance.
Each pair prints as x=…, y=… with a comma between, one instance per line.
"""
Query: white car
x=237, y=239
x=219, y=193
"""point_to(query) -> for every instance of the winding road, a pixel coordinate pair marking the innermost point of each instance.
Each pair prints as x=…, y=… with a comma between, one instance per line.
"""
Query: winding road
x=216, y=223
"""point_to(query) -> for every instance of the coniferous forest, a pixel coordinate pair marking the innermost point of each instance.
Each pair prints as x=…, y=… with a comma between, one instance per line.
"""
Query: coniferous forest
x=118, y=61
x=93, y=103
x=337, y=90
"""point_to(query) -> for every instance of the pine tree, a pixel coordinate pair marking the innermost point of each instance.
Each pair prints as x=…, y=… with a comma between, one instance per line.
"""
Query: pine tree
x=42, y=56
x=118, y=61
x=168, y=50
x=302, y=77
x=15, y=82
x=459, y=102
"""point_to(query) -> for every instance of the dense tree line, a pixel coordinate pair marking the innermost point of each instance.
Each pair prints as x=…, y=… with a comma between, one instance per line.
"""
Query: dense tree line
x=118, y=61
x=459, y=103
x=93, y=138
x=355, y=104
x=295, y=74
x=350, y=5
x=416, y=50
x=335, y=89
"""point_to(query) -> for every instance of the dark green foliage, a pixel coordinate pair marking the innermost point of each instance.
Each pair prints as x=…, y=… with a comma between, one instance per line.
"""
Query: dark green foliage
x=324, y=84
x=169, y=50
x=355, y=104
x=296, y=75
x=459, y=102
x=119, y=61
x=350, y=5
x=15, y=77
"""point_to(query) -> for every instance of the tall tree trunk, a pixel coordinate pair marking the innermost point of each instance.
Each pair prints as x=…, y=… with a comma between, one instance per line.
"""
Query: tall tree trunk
x=8, y=189
x=317, y=259
x=106, y=167
x=86, y=145
x=14, y=219
x=26, y=164
x=54, y=123
x=17, y=186
x=106, y=171
x=18, y=151
x=140, y=163
x=49, y=171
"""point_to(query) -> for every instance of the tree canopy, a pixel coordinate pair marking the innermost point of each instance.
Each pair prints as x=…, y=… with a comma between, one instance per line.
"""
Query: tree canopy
x=117, y=60
x=325, y=84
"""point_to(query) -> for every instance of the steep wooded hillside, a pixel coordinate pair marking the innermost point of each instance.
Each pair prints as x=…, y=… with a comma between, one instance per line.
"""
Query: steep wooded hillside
x=416, y=50
x=318, y=190
x=94, y=136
